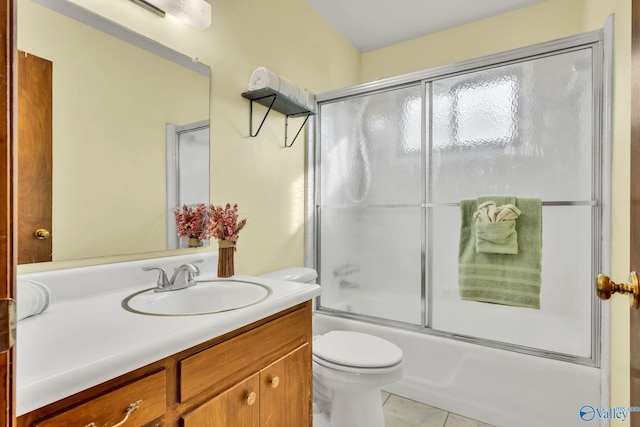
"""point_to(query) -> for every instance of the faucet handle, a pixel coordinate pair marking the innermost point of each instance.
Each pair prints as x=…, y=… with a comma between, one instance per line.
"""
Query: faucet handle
x=198, y=261
x=163, y=281
x=195, y=271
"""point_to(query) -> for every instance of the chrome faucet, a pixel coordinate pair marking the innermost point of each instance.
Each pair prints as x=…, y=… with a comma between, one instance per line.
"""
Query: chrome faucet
x=183, y=277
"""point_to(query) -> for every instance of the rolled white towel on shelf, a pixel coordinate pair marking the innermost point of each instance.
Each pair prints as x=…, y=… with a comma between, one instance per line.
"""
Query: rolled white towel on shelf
x=33, y=298
x=262, y=78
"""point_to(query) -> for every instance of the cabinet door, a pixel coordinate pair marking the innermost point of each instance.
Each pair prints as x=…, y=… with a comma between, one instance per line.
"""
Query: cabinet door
x=237, y=407
x=285, y=390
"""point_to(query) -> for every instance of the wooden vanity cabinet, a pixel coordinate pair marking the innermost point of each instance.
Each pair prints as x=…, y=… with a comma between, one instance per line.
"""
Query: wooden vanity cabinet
x=257, y=376
x=276, y=396
x=284, y=386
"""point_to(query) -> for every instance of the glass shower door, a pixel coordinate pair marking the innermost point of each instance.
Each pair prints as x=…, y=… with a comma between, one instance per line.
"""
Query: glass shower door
x=525, y=130
x=370, y=205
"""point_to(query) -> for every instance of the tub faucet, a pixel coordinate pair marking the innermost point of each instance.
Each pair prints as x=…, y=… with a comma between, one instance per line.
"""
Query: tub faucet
x=346, y=270
x=348, y=284
x=182, y=278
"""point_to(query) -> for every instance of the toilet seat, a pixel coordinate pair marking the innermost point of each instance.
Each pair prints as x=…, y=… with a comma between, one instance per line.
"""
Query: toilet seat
x=355, y=370
x=346, y=350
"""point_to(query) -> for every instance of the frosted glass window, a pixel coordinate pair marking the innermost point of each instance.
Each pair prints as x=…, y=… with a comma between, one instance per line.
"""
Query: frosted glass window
x=486, y=101
x=515, y=129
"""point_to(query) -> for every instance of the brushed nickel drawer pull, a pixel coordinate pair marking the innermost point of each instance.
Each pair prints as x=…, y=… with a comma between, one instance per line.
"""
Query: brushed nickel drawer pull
x=130, y=410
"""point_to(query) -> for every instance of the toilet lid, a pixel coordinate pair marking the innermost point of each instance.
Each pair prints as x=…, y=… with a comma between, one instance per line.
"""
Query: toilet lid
x=356, y=349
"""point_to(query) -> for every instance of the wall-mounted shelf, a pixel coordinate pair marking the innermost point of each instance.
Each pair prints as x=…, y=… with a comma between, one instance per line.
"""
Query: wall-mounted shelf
x=274, y=100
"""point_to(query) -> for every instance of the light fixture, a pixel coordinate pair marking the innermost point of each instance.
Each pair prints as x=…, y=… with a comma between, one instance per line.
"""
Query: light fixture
x=196, y=13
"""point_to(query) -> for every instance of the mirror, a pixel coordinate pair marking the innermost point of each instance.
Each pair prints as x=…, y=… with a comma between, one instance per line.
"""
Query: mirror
x=116, y=100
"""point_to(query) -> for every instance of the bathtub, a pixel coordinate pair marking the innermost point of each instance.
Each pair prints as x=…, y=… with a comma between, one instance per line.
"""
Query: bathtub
x=503, y=388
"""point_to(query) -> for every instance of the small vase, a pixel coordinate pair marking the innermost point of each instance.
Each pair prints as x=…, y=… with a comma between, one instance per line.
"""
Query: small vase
x=194, y=242
x=226, y=249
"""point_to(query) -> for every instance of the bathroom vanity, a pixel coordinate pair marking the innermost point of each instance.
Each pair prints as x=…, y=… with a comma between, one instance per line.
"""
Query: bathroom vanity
x=257, y=373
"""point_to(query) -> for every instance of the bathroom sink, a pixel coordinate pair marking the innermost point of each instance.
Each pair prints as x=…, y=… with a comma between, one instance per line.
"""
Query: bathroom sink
x=207, y=296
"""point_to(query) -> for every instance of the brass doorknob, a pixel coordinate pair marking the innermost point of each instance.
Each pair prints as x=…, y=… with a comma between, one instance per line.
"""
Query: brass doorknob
x=42, y=234
x=605, y=287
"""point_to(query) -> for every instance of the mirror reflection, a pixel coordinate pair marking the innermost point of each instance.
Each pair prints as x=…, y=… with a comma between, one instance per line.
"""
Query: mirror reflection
x=116, y=113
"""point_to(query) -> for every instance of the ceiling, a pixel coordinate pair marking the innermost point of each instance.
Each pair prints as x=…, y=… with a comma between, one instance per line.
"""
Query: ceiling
x=372, y=24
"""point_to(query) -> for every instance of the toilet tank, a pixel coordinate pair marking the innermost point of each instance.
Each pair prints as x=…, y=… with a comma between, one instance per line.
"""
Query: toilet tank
x=294, y=274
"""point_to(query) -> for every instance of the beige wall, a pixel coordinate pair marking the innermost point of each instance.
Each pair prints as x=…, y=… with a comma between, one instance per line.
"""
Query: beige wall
x=546, y=21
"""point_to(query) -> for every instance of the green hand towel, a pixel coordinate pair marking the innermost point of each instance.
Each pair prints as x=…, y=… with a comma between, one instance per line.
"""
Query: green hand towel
x=497, y=237
x=502, y=278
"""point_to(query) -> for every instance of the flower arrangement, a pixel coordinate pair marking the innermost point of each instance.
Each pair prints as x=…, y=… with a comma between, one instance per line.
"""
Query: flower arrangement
x=192, y=221
x=224, y=223
x=201, y=222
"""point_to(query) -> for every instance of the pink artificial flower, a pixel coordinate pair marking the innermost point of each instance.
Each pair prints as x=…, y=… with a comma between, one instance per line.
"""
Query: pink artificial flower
x=223, y=222
x=192, y=221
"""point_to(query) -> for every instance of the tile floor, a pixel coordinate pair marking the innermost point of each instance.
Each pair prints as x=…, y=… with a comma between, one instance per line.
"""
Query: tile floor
x=401, y=412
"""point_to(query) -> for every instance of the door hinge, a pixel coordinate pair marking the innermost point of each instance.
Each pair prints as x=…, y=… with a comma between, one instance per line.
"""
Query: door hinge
x=8, y=324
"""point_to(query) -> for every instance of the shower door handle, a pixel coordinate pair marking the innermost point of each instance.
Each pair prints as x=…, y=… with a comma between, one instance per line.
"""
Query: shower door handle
x=605, y=287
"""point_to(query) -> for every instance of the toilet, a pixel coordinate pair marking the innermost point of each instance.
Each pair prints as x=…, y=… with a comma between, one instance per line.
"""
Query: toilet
x=349, y=368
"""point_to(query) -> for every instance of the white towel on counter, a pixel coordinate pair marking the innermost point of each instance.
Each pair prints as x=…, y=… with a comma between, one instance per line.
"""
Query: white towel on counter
x=33, y=298
x=262, y=78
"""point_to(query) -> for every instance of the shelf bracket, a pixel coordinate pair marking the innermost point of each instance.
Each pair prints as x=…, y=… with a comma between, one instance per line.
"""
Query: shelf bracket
x=274, y=100
x=274, y=96
x=286, y=127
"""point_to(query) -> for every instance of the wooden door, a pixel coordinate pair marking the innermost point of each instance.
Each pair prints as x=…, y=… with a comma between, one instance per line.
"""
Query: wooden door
x=7, y=202
x=285, y=391
x=35, y=110
x=239, y=406
x=635, y=204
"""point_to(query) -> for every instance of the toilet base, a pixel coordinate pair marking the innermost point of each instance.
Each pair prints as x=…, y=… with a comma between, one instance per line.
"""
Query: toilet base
x=352, y=409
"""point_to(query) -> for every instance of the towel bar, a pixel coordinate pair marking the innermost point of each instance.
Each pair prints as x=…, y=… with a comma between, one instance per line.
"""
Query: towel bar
x=547, y=203
x=452, y=204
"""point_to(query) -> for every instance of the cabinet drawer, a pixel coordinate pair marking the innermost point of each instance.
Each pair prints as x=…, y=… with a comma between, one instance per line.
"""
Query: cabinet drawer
x=150, y=394
x=219, y=367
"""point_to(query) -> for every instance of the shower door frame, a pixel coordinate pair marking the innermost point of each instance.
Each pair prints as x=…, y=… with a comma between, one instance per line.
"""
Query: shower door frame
x=601, y=41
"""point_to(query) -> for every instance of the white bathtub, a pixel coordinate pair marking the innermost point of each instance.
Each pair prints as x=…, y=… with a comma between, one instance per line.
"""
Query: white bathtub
x=499, y=387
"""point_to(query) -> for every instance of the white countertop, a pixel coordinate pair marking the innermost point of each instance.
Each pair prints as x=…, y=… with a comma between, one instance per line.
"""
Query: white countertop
x=79, y=342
